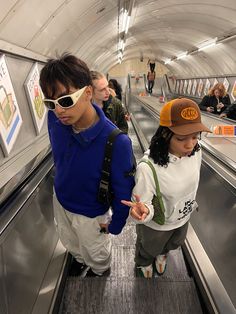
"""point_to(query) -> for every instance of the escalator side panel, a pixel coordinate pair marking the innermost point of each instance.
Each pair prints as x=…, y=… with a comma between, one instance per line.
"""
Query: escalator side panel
x=27, y=246
x=214, y=224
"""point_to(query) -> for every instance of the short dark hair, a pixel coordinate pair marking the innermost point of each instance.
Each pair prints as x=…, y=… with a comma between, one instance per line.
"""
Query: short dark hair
x=159, y=147
x=67, y=70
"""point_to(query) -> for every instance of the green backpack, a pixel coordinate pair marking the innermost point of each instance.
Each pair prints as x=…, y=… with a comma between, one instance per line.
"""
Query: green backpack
x=157, y=202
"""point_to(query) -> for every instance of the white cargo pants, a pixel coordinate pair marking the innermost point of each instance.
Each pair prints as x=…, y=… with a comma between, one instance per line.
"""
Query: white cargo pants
x=81, y=236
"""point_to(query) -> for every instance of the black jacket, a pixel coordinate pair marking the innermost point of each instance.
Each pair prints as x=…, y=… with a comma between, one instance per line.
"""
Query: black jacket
x=211, y=101
x=231, y=111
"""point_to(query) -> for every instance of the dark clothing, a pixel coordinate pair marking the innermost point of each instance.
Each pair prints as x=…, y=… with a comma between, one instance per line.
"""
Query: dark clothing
x=211, y=101
x=152, y=66
x=230, y=111
x=114, y=111
x=151, y=243
x=151, y=79
x=118, y=95
x=151, y=63
x=150, y=86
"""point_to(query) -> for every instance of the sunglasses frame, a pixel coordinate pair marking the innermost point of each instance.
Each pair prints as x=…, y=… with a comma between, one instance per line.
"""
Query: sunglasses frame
x=74, y=96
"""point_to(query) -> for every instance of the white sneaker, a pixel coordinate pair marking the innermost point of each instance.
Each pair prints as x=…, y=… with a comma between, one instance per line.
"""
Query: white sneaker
x=146, y=271
x=160, y=263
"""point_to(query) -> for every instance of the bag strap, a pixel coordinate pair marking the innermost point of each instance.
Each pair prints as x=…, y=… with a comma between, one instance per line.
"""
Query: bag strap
x=103, y=195
x=158, y=193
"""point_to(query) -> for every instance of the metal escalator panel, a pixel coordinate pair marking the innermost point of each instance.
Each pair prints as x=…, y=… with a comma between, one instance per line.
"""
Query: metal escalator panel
x=214, y=224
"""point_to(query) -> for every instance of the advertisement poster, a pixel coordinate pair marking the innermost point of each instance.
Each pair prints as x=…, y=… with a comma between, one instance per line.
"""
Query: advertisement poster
x=215, y=82
x=10, y=117
x=181, y=87
x=194, y=87
x=233, y=92
x=185, y=86
x=177, y=87
x=35, y=96
x=207, y=87
x=200, y=88
x=226, y=84
x=189, y=86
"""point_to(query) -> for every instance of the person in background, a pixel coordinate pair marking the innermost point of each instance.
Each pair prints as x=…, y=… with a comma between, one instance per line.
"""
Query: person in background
x=230, y=112
x=111, y=106
x=112, y=92
x=151, y=63
x=78, y=132
x=216, y=101
x=151, y=80
x=112, y=83
x=176, y=157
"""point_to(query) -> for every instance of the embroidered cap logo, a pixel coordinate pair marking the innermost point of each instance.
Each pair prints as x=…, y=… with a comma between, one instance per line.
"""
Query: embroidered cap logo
x=189, y=113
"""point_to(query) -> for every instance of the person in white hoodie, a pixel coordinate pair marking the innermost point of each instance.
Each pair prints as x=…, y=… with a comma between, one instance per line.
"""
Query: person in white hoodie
x=174, y=158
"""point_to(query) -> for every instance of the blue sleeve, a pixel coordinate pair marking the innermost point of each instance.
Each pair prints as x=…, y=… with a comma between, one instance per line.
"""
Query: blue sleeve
x=121, y=182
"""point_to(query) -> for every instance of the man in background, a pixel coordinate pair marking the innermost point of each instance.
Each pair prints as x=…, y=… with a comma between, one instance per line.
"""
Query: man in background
x=111, y=106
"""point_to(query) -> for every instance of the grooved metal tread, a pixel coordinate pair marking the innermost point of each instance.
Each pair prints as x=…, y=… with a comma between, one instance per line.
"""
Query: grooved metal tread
x=122, y=292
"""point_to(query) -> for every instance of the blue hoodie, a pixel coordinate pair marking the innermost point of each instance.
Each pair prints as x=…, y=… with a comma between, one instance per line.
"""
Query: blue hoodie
x=78, y=161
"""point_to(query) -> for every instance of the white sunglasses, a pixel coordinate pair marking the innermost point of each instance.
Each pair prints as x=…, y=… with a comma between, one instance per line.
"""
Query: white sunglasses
x=66, y=101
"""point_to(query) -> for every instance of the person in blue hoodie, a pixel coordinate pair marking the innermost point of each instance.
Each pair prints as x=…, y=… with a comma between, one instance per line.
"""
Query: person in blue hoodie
x=78, y=132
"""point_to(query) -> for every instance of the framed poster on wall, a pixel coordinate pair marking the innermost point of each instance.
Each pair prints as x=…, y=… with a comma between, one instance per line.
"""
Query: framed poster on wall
x=233, y=92
x=226, y=84
x=215, y=82
x=10, y=117
x=181, y=86
x=185, y=86
x=177, y=87
x=190, y=86
x=200, y=88
x=194, y=88
x=35, y=96
x=207, y=87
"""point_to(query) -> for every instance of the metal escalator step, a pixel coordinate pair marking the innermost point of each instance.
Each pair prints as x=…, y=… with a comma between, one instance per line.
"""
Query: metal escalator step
x=130, y=296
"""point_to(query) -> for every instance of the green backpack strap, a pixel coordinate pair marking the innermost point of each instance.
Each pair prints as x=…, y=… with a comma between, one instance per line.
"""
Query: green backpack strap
x=157, y=202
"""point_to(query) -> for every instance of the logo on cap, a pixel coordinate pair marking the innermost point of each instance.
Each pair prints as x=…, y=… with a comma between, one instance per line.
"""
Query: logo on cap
x=189, y=113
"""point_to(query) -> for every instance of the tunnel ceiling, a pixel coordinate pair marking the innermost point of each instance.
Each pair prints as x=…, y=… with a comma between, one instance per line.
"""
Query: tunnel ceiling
x=160, y=29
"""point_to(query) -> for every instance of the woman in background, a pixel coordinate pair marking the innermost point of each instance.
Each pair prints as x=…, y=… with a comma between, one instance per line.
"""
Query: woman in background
x=216, y=101
x=112, y=83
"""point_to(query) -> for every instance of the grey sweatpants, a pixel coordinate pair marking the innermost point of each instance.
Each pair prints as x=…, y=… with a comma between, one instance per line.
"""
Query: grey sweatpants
x=151, y=243
x=81, y=236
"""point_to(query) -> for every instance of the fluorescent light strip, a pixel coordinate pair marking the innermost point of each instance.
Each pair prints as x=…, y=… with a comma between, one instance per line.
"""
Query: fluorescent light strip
x=127, y=24
x=182, y=55
x=207, y=44
x=124, y=20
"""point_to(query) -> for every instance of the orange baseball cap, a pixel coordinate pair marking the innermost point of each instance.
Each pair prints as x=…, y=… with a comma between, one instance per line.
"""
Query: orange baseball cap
x=182, y=116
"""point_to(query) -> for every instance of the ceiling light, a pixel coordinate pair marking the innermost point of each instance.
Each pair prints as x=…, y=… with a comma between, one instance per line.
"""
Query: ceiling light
x=167, y=61
x=207, y=44
x=182, y=55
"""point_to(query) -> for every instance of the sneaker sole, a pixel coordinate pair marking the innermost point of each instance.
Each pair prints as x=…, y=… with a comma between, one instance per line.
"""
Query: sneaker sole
x=159, y=273
x=140, y=274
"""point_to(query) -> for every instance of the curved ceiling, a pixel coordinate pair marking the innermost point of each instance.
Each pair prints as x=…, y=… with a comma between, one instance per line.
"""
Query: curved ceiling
x=160, y=29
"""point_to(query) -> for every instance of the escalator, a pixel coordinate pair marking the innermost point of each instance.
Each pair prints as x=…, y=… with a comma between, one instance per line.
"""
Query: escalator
x=34, y=264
